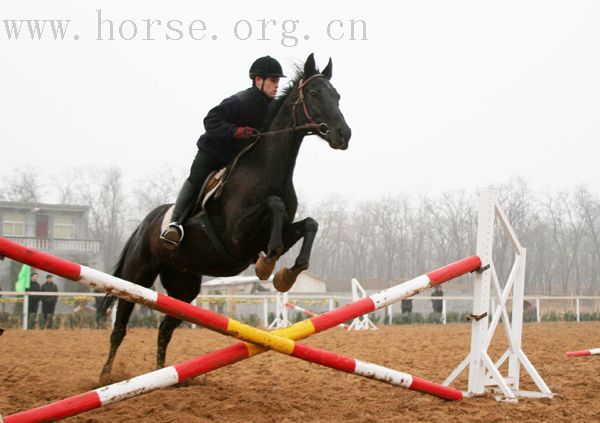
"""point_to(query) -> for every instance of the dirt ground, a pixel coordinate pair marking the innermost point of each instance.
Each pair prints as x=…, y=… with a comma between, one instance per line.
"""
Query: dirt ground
x=37, y=367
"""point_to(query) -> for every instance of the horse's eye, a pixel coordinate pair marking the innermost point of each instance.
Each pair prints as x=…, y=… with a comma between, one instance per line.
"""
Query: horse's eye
x=312, y=93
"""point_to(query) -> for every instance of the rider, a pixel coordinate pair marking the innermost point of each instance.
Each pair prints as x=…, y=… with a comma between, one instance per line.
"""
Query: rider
x=229, y=128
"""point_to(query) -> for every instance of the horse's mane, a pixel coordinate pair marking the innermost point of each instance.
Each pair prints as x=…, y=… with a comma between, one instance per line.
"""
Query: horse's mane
x=276, y=104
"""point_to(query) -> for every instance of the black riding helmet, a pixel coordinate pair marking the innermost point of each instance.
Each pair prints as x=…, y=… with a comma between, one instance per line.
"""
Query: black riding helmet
x=266, y=67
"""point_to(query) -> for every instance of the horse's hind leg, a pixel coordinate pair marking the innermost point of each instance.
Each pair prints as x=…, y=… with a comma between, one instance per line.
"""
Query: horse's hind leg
x=307, y=229
x=185, y=287
x=144, y=277
x=266, y=264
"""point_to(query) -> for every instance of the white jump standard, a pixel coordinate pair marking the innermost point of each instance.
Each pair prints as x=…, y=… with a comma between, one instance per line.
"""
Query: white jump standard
x=484, y=373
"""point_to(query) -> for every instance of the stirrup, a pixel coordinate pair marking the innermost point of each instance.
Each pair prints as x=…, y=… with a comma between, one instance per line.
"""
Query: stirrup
x=172, y=243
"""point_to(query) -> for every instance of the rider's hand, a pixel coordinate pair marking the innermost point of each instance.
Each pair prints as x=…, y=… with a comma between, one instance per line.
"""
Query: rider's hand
x=244, y=132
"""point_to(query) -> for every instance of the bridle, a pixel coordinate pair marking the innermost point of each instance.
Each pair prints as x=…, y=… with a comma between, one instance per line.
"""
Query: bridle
x=312, y=126
x=321, y=128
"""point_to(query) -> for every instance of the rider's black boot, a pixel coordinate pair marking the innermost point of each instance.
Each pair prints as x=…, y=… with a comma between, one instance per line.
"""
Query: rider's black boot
x=186, y=201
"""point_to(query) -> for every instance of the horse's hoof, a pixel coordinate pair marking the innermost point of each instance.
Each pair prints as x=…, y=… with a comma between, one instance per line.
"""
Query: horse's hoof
x=263, y=269
x=105, y=377
x=284, y=280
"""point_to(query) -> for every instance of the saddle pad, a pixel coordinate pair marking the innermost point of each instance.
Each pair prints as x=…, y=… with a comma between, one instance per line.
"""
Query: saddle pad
x=167, y=218
x=213, y=184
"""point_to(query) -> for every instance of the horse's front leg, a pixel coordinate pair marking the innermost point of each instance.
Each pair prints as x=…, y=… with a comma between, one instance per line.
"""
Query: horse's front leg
x=307, y=229
x=266, y=264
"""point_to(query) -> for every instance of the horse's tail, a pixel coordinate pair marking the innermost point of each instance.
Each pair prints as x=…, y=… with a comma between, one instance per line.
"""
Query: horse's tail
x=102, y=308
x=107, y=301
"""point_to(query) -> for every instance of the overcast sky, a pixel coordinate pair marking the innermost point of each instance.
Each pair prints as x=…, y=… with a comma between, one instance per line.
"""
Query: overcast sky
x=441, y=95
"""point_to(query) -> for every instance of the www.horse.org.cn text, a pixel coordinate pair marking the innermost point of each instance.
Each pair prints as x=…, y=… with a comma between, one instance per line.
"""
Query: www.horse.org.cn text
x=286, y=32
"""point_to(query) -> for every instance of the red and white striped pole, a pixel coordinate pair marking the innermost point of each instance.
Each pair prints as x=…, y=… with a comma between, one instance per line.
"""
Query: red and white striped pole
x=583, y=353
x=281, y=340
x=310, y=313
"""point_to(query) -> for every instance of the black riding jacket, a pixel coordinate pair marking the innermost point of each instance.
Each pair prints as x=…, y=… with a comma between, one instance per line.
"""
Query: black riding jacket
x=34, y=300
x=49, y=302
x=246, y=108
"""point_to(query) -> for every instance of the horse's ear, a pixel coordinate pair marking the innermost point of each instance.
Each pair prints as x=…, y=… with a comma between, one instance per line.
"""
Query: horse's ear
x=309, y=66
x=328, y=69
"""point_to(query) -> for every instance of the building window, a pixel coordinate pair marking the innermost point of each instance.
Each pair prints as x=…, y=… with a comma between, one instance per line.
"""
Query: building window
x=13, y=224
x=64, y=227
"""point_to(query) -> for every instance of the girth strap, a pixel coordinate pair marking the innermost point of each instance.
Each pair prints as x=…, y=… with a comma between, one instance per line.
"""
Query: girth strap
x=216, y=241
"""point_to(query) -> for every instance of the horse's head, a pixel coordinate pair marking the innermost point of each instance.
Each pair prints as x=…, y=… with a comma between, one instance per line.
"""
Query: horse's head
x=321, y=103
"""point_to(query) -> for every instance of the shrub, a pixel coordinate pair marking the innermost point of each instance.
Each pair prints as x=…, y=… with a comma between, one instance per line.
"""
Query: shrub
x=251, y=319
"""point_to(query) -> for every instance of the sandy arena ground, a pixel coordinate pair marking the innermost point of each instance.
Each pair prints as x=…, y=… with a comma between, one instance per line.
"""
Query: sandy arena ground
x=37, y=367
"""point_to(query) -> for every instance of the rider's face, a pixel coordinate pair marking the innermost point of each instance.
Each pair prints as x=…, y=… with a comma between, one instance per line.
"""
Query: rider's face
x=269, y=86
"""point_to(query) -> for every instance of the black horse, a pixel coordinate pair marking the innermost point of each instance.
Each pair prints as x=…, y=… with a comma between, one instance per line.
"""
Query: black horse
x=253, y=214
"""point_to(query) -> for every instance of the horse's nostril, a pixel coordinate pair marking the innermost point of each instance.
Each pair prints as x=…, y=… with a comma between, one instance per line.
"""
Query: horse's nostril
x=345, y=134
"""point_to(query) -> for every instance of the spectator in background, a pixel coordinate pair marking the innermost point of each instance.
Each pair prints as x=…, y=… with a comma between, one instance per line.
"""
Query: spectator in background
x=48, y=303
x=406, y=306
x=34, y=300
x=437, y=304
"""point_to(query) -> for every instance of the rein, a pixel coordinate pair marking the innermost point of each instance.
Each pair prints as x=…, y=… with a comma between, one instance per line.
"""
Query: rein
x=321, y=128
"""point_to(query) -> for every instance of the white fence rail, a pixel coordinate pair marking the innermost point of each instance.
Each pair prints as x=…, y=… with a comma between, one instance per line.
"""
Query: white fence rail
x=59, y=245
x=265, y=304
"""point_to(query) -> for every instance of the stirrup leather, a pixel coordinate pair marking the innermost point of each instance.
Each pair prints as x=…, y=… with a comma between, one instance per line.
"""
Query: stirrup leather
x=178, y=228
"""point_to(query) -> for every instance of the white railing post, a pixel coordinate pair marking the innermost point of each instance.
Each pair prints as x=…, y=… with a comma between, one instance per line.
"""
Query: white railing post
x=265, y=319
x=443, y=312
x=113, y=314
x=194, y=303
x=25, y=310
x=538, y=315
x=577, y=308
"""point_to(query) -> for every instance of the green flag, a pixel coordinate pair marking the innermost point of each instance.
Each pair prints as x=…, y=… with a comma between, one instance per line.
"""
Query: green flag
x=23, y=282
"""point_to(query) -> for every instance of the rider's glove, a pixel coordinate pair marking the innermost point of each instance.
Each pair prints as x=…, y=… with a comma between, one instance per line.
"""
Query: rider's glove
x=244, y=132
